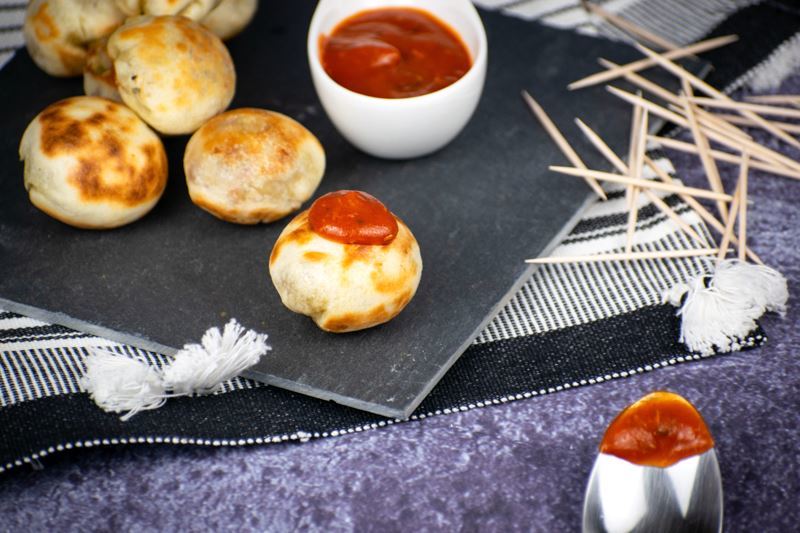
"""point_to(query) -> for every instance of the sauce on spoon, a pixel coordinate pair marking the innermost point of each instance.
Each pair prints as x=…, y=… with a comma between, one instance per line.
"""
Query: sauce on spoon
x=658, y=430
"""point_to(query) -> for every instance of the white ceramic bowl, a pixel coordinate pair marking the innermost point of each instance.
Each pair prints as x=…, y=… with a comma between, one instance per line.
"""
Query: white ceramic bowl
x=401, y=128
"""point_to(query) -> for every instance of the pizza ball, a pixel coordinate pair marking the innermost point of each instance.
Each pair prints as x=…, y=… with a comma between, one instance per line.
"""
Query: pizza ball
x=251, y=165
x=99, y=78
x=58, y=32
x=348, y=263
x=92, y=163
x=172, y=72
x=230, y=17
x=193, y=9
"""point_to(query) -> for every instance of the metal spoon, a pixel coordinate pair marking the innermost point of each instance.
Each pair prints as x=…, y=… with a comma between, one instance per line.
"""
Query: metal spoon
x=625, y=497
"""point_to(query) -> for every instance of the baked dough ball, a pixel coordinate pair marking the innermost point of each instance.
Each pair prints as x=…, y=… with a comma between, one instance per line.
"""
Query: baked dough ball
x=344, y=287
x=251, y=165
x=92, y=163
x=172, y=72
x=99, y=78
x=58, y=32
x=193, y=9
x=230, y=17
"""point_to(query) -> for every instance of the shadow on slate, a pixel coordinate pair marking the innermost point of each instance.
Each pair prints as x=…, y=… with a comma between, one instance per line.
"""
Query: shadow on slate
x=478, y=208
x=485, y=372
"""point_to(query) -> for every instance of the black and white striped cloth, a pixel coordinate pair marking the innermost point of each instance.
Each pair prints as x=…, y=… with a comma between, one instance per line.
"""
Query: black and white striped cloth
x=536, y=344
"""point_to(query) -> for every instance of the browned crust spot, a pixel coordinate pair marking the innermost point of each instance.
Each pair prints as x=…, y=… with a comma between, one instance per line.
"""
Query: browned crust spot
x=301, y=234
x=357, y=252
x=315, y=257
x=245, y=131
x=62, y=134
x=355, y=321
x=238, y=216
x=377, y=315
x=43, y=24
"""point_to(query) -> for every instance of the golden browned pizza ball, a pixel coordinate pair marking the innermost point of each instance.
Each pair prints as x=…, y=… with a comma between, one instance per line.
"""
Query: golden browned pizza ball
x=251, y=165
x=99, y=78
x=230, y=17
x=193, y=9
x=58, y=32
x=172, y=72
x=92, y=163
x=348, y=263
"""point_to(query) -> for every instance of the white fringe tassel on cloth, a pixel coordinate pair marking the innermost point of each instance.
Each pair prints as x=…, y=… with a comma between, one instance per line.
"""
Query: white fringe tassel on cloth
x=719, y=310
x=118, y=383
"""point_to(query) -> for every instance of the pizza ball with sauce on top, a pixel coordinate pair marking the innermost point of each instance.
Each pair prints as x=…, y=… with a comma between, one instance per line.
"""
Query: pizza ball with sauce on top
x=347, y=262
x=58, y=32
x=92, y=163
x=252, y=165
x=172, y=72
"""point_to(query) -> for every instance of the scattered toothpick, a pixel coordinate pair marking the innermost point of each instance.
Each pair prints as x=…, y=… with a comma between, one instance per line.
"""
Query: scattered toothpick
x=624, y=180
x=612, y=158
x=699, y=84
x=695, y=114
x=703, y=148
x=635, y=168
x=762, y=109
x=790, y=99
x=636, y=31
x=698, y=208
x=641, y=64
x=743, y=121
x=723, y=156
x=562, y=143
x=743, y=207
x=755, y=149
x=728, y=234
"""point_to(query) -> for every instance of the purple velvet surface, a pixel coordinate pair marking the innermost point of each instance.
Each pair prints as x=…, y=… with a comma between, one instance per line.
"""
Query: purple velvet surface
x=518, y=466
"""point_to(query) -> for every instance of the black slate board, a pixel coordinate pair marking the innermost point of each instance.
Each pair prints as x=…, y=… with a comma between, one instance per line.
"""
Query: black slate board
x=478, y=208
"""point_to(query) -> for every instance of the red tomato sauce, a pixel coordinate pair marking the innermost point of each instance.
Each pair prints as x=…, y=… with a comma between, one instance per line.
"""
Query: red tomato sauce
x=659, y=430
x=352, y=217
x=394, y=53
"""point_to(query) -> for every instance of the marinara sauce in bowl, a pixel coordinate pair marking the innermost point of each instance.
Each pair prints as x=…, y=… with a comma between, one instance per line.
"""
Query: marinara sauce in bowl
x=398, y=79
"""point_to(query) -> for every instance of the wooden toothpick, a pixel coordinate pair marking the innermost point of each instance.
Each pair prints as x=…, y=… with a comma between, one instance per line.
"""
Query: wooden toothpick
x=629, y=27
x=743, y=121
x=743, y=206
x=710, y=168
x=704, y=213
x=614, y=159
x=728, y=234
x=608, y=75
x=562, y=143
x=635, y=169
x=755, y=149
x=790, y=99
x=762, y=109
x=708, y=89
x=723, y=156
x=658, y=185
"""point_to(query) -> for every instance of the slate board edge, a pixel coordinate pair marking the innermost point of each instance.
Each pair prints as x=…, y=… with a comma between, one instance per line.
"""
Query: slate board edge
x=61, y=319
x=146, y=344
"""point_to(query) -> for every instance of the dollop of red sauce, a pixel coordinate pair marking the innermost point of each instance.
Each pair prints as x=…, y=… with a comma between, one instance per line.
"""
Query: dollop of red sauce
x=659, y=430
x=352, y=217
x=394, y=53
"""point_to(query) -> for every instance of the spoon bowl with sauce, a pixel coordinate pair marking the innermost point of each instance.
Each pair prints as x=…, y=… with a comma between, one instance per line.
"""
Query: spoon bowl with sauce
x=398, y=78
x=657, y=471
